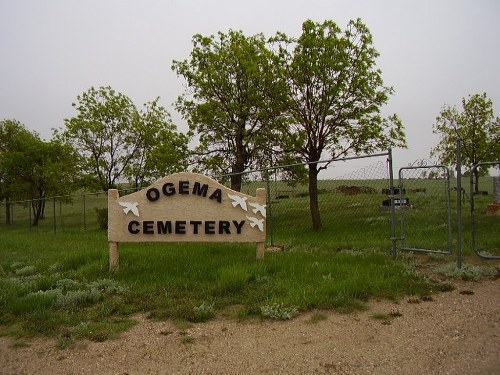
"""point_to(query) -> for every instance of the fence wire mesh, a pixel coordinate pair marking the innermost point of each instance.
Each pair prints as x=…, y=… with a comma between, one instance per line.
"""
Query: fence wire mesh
x=351, y=202
x=352, y=206
x=63, y=213
x=425, y=209
x=482, y=213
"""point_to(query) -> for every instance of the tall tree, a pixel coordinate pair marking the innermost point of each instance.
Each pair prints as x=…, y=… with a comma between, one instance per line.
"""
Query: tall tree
x=33, y=169
x=230, y=102
x=104, y=132
x=477, y=129
x=13, y=135
x=334, y=94
x=113, y=137
x=162, y=151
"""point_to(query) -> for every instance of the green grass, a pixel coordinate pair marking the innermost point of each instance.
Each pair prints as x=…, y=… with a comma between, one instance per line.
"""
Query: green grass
x=349, y=221
x=59, y=285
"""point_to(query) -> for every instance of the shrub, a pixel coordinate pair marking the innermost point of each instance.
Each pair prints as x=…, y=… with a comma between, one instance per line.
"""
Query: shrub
x=203, y=312
x=468, y=272
x=278, y=311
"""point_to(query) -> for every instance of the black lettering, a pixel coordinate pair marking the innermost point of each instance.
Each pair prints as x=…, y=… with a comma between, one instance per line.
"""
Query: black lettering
x=196, y=224
x=168, y=189
x=153, y=194
x=164, y=227
x=132, y=227
x=209, y=227
x=147, y=227
x=217, y=195
x=200, y=189
x=238, y=225
x=183, y=187
x=180, y=227
x=224, y=227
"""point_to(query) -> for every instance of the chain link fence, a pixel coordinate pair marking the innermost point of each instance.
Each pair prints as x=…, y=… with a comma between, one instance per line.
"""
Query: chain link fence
x=353, y=200
x=84, y=211
x=446, y=215
x=354, y=204
x=482, y=233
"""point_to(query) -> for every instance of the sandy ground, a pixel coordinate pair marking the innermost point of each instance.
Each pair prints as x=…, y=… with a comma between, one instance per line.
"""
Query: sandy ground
x=457, y=332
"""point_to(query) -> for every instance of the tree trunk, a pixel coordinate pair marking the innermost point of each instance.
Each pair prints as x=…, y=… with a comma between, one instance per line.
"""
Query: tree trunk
x=313, y=197
x=239, y=164
x=38, y=206
x=476, y=181
x=36, y=212
x=236, y=181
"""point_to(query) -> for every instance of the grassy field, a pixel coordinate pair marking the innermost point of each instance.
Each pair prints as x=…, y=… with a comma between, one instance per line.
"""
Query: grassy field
x=351, y=221
x=59, y=284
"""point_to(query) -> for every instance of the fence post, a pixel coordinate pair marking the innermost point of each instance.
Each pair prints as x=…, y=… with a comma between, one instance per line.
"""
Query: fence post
x=261, y=195
x=54, y=212
x=269, y=208
x=392, y=208
x=84, y=214
x=9, y=217
x=459, y=205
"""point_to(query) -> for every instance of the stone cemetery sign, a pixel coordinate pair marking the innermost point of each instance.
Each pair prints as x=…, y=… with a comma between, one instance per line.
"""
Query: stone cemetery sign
x=185, y=207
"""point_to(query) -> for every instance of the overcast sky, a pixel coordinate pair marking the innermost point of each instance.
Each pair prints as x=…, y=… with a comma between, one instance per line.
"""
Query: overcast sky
x=433, y=52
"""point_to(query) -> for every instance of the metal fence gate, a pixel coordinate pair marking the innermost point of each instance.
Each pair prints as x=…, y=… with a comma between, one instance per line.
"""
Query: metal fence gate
x=484, y=242
x=424, y=206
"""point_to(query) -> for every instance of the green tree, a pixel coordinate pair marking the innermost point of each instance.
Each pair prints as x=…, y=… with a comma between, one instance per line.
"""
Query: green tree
x=334, y=94
x=105, y=133
x=113, y=137
x=13, y=135
x=163, y=150
x=230, y=102
x=33, y=169
x=475, y=126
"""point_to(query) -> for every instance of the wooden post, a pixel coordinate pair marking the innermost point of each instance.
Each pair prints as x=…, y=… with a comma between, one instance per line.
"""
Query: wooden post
x=261, y=249
x=261, y=195
x=114, y=252
x=114, y=257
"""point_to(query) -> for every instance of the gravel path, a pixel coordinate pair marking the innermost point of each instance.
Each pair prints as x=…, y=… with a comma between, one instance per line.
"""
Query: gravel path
x=458, y=332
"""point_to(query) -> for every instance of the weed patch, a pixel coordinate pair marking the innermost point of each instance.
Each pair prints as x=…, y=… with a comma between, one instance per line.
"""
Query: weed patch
x=468, y=272
x=278, y=311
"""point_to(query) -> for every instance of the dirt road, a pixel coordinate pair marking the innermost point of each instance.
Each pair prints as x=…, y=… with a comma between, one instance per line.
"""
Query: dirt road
x=458, y=332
